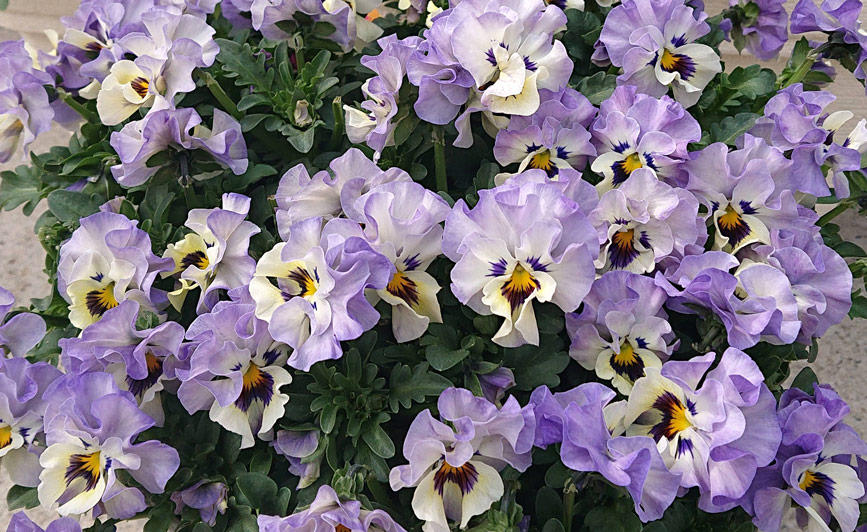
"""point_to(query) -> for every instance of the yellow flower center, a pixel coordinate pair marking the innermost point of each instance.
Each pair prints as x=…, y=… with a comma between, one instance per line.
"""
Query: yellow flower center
x=140, y=86
x=86, y=466
x=197, y=258
x=403, y=287
x=5, y=436
x=255, y=385
x=519, y=286
x=733, y=226
x=627, y=363
x=464, y=477
x=542, y=161
x=100, y=300
x=306, y=283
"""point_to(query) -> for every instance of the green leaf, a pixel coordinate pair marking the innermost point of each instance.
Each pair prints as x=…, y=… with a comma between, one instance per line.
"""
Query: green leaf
x=549, y=504
x=859, y=306
x=805, y=379
x=21, y=497
x=408, y=385
x=255, y=489
x=442, y=358
x=732, y=127
x=597, y=87
x=246, y=67
x=752, y=81
x=160, y=518
x=377, y=439
x=602, y=518
x=23, y=186
x=553, y=525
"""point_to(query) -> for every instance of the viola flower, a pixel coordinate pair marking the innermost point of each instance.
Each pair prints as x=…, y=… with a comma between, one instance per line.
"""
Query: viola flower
x=753, y=303
x=90, y=427
x=209, y=498
x=495, y=384
x=106, y=261
x=214, y=255
x=643, y=221
x=795, y=119
x=577, y=420
x=139, y=360
x=820, y=279
x=765, y=29
x=24, y=109
x=654, y=43
x=455, y=471
x=833, y=17
x=553, y=137
x=21, y=523
x=372, y=124
x=329, y=193
x=22, y=386
x=622, y=329
x=328, y=511
x=20, y=333
x=524, y=240
x=179, y=129
x=234, y=368
x=814, y=474
x=504, y=59
x=634, y=130
x=166, y=52
x=299, y=448
x=402, y=222
x=740, y=197
x=318, y=299
x=715, y=435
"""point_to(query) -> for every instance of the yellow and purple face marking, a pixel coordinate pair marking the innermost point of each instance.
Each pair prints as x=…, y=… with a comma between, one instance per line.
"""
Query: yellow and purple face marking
x=627, y=363
x=138, y=387
x=404, y=288
x=732, y=224
x=86, y=466
x=257, y=385
x=818, y=484
x=100, y=300
x=464, y=477
x=306, y=284
x=675, y=420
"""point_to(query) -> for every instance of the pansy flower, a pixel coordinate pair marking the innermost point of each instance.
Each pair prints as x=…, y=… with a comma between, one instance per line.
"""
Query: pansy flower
x=24, y=109
x=214, y=255
x=329, y=193
x=634, y=130
x=90, y=428
x=352, y=20
x=310, y=289
x=655, y=44
x=21, y=523
x=139, y=360
x=454, y=464
x=19, y=333
x=372, y=124
x=580, y=421
x=299, y=448
x=833, y=17
x=107, y=260
x=764, y=28
x=22, y=385
x=715, y=428
x=402, y=222
x=553, y=137
x=816, y=474
x=209, y=498
x=176, y=129
x=234, y=369
x=329, y=512
x=171, y=46
x=523, y=241
x=740, y=196
x=622, y=329
x=643, y=221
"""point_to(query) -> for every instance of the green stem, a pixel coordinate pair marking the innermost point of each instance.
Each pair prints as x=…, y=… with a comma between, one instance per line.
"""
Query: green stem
x=568, y=506
x=217, y=91
x=69, y=100
x=798, y=75
x=439, y=144
x=833, y=213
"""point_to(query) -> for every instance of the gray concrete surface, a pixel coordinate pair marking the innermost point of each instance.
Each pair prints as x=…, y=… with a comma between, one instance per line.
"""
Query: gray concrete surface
x=841, y=354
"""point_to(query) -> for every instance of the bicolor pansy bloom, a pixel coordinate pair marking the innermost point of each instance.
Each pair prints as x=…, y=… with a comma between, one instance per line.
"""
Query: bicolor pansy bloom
x=402, y=222
x=25, y=110
x=234, y=369
x=741, y=199
x=621, y=330
x=329, y=193
x=214, y=255
x=634, y=131
x=304, y=288
x=165, y=53
x=90, y=426
x=655, y=44
x=106, y=261
x=714, y=428
x=455, y=471
x=553, y=137
x=819, y=469
x=524, y=240
x=140, y=360
x=643, y=221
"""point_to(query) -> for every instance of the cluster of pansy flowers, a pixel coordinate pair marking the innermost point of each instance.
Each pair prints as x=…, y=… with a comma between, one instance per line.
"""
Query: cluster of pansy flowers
x=727, y=234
